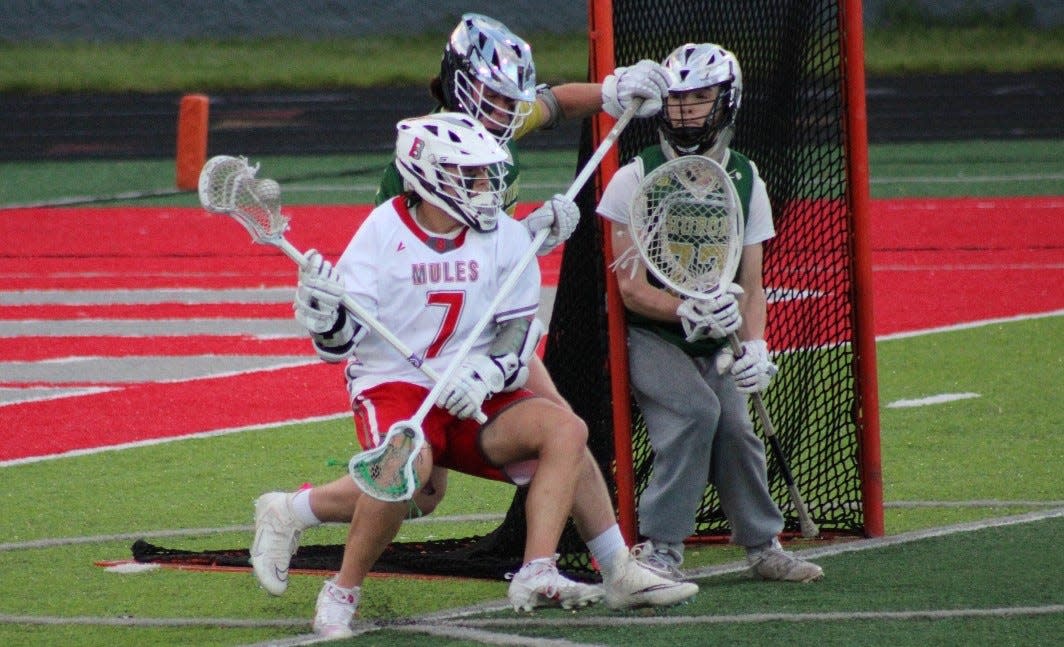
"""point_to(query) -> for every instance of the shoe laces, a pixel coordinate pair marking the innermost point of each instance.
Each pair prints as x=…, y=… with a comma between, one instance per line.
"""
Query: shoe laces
x=540, y=575
x=660, y=559
x=338, y=605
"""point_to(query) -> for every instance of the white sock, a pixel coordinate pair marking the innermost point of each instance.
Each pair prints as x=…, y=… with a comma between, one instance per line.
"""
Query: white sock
x=300, y=503
x=605, y=546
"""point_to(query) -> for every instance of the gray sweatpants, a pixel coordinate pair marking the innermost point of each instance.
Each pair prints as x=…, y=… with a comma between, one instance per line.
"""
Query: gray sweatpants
x=700, y=429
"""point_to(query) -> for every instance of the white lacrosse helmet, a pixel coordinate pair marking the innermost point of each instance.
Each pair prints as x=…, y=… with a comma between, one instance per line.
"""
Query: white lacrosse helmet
x=482, y=54
x=695, y=67
x=453, y=162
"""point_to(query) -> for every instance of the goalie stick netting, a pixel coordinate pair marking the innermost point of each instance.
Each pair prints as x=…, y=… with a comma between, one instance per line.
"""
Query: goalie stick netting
x=801, y=122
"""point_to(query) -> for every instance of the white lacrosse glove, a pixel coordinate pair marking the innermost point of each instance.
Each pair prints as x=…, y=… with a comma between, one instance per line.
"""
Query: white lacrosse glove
x=716, y=316
x=477, y=379
x=646, y=80
x=560, y=214
x=753, y=370
x=318, y=294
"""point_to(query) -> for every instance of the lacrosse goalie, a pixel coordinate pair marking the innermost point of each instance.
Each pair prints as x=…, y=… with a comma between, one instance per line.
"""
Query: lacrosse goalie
x=690, y=386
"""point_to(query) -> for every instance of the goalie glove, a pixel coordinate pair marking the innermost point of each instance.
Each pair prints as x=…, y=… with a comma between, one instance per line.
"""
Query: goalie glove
x=478, y=378
x=716, y=316
x=752, y=371
x=318, y=294
x=560, y=214
x=646, y=80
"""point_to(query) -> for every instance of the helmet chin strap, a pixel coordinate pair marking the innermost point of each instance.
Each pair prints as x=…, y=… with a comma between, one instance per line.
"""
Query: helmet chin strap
x=716, y=152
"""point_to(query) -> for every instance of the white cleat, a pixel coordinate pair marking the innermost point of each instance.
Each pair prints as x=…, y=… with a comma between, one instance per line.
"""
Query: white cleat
x=774, y=563
x=633, y=584
x=277, y=534
x=539, y=584
x=334, y=611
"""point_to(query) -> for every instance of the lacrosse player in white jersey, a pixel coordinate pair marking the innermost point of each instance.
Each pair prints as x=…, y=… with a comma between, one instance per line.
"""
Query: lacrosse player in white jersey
x=690, y=388
x=426, y=264
x=487, y=72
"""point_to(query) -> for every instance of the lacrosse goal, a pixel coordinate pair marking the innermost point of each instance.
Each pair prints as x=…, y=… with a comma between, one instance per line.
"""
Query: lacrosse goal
x=802, y=122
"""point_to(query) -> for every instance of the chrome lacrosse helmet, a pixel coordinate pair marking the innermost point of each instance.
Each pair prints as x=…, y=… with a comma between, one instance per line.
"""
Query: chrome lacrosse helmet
x=451, y=160
x=694, y=67
x=487, y=72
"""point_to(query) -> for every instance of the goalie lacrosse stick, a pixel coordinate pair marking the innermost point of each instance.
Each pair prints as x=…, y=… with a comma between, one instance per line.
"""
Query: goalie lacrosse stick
x=386, y=472
x=228, y=185
x=687, y=225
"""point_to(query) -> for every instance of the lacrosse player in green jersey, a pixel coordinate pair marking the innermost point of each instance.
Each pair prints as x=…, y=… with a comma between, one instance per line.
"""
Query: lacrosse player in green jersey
x=691, y=389
x=486, y=72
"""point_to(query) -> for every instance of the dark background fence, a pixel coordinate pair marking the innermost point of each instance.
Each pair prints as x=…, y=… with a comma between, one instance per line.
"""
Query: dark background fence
x=910, y=108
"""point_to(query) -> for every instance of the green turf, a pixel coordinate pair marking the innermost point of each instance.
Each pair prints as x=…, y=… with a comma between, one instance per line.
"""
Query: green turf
x=1002, y=446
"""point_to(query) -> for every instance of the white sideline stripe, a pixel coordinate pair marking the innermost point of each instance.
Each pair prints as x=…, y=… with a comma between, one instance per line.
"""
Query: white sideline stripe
x=460, y=632
x=941, y=398
x=746, y=618
x=160, y=441
x=187, y=296
x=969, y=325
x=8, y=618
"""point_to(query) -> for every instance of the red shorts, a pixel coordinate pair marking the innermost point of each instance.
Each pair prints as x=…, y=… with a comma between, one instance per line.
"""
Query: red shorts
x=455, y=443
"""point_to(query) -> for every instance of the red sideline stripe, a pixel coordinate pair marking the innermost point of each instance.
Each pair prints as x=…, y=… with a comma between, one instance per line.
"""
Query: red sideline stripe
x=146, y=411
x=148, y=311
x=155, y=247
x=29, y=349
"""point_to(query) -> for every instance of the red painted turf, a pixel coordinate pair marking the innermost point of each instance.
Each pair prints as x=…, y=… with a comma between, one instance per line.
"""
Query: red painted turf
x=935, y=263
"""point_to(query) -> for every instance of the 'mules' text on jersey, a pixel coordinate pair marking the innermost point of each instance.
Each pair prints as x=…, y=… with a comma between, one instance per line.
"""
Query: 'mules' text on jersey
x=444, y=272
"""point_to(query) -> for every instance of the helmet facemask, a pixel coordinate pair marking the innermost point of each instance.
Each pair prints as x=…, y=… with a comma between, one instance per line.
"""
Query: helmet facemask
x=694, y=121
x=472, y=195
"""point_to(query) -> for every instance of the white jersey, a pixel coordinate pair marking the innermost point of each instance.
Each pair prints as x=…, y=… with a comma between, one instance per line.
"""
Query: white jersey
x=620, y=193
x=429, y=291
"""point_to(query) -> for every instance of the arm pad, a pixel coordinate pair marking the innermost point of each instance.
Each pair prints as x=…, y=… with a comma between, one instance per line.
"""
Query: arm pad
x=338, y=343
x=513, y=348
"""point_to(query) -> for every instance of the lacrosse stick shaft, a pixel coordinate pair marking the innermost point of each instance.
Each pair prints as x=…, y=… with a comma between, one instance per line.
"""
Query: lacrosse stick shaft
x=603, y=148
x=809, y=529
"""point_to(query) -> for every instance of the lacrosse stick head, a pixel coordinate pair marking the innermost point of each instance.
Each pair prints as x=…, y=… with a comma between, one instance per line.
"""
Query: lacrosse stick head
x=686, y=223
x=228, y=185
x=386, y=472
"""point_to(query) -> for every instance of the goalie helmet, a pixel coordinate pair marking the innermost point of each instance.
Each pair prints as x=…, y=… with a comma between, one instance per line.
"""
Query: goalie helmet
x=694, y=67
x=487, y=72
x=451, y=160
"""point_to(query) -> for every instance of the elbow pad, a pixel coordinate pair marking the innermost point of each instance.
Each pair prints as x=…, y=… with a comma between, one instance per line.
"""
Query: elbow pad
x=338, y=343
x=554, y=109
x=513, y=351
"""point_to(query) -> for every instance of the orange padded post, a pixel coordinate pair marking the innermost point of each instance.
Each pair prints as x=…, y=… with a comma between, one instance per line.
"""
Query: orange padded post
x=191, y=140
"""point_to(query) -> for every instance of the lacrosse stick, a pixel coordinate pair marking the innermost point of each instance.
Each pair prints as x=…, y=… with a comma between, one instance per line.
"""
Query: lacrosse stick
x=228, y=185
x=687, y=225
x=386, y=472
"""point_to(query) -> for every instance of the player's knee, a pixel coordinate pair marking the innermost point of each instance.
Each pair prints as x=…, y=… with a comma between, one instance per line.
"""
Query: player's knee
x=571, y=433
